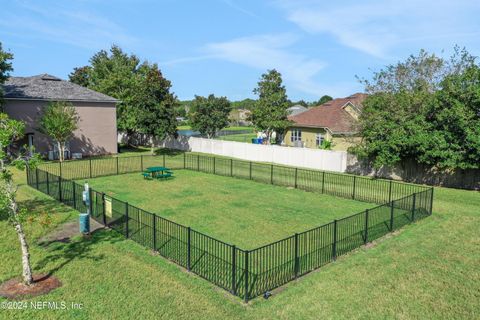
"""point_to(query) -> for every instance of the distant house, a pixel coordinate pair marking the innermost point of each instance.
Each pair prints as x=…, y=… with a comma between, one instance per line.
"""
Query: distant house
x=240, y=117
x=296, y=109
x=25, y=97
x=335, y=121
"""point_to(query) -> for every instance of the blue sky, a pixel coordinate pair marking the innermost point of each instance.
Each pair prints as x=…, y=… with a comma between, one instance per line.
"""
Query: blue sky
x=223, y=46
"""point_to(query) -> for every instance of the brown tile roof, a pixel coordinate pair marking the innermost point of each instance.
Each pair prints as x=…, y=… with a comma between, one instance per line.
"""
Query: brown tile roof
x=331, y=115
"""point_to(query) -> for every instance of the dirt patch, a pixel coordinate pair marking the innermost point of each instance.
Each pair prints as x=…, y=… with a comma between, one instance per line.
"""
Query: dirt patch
x=66, y=231
x=15, y=288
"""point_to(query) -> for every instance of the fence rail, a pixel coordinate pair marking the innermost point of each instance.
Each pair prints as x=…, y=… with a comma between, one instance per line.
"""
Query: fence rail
x=245, y=273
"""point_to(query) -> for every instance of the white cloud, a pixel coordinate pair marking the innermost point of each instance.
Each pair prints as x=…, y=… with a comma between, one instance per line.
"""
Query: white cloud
x=66, y=25
x=268, y=52
x=376, y=27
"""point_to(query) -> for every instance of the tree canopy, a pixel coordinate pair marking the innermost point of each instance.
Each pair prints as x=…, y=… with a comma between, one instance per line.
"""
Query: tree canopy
x=426, y=109
x=5, y=68
x=210, y=115
x=156, y=105
x=270, y=112
x=323, y=99
x=141, y=88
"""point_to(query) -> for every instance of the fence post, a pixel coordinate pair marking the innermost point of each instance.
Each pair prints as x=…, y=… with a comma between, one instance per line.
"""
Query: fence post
x=246, y=276
x=296, y=175
x=27, y=171
x=184, y=160
x=391, y=215
x=431, y=202
x=271, y=174
x=354, y=184
x=36, y=177
x=60, y=189
x=231, y=167
x=334, y=246
x=234, y=270
x=126, y=221
x=48, y=184
x=117, y=165
x=90, y=193
x=323, y=182
x=188, y=247
x=90, y=164
x=390, y=192
x=60, y=169
x=198, y=162
x=104, y=216
x=74, y=193
x=365, y=240
x=214, y=165
x=250, y=170
x=141, y=162
x=296, y=267
x=154, y=226
x=413, y=206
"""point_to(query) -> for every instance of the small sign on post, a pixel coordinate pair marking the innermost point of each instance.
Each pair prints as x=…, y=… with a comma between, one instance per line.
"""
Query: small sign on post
x=84, y=218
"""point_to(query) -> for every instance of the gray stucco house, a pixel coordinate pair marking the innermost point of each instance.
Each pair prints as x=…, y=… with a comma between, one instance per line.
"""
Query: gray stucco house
x=25, y=97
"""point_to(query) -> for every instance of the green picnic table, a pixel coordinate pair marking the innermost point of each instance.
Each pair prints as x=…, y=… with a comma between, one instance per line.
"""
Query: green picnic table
x=157, y=172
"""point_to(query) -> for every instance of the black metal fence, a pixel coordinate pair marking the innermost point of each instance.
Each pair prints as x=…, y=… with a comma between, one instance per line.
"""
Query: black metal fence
x=245, y=273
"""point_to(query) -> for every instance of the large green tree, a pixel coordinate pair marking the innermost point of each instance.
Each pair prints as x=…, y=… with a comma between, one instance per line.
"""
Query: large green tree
x=425, y=109
x=156, y=105
x=210, y=115
x=270, y=112
x=59, y=120
x=141, y=88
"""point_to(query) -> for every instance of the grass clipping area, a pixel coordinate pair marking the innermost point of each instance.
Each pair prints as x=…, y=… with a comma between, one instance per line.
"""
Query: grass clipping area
x=241, y=212
x=430, y=270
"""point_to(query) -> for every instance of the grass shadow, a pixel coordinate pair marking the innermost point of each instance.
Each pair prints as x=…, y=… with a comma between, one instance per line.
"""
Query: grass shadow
x=61, y=254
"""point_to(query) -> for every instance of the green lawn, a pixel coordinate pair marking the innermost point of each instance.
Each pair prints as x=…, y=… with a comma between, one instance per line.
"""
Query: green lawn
x=241, y=212
x=242, y=137
x=428, y=270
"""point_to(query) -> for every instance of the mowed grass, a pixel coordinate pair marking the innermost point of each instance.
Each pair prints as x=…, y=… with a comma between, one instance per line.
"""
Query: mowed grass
x=241, y=212
x=428, y=270
x=241, y=137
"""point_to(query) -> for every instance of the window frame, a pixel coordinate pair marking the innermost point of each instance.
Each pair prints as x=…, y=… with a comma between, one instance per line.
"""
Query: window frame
x=295, y=135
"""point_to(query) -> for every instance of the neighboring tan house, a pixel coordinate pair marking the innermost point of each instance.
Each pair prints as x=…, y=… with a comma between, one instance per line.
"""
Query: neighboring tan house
x=296, y=109
x=335, y=121
x=26, y=97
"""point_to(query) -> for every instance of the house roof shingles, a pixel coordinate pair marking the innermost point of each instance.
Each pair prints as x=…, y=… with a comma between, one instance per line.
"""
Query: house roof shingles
x=50, y=88
x=331, y=115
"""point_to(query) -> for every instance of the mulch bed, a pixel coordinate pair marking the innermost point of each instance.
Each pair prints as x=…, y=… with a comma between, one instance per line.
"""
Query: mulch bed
x=15, y=288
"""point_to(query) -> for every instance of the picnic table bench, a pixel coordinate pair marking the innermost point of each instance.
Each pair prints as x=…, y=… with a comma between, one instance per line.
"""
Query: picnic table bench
x=157, y=172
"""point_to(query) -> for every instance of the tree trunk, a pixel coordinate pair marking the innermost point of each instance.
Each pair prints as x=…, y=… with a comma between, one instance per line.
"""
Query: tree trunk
x=60, y=151
x=27, y=270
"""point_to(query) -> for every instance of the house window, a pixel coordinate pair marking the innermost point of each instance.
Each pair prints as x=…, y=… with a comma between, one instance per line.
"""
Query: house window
x=296, y=135
x=319, y=139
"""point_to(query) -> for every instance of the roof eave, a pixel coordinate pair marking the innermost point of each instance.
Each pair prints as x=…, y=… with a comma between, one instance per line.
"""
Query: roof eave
x=60, y=99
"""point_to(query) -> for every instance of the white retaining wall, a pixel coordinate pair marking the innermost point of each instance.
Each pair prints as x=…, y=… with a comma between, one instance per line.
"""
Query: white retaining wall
x=296, y=157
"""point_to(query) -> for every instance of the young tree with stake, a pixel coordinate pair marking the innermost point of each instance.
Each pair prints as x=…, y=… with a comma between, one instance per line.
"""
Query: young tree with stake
x=58, y=121
x=10, y=131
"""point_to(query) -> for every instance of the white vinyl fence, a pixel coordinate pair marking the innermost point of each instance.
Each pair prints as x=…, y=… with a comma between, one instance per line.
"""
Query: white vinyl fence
x=297, y=157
